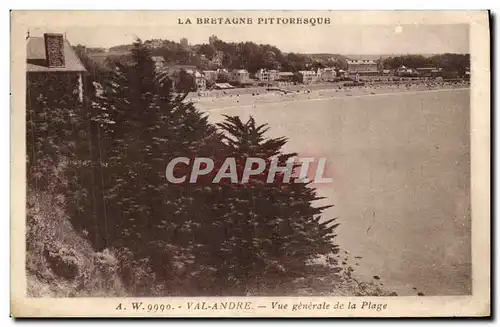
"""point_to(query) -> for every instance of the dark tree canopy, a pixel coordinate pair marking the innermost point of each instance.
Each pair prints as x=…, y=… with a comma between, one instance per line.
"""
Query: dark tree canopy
x=448, y=62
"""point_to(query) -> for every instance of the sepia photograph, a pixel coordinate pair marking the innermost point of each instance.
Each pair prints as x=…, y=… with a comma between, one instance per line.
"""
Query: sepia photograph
x=199, y=160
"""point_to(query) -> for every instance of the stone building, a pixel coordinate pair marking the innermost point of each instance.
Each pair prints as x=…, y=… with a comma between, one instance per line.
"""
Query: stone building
x=240, y=76
x=52, y=64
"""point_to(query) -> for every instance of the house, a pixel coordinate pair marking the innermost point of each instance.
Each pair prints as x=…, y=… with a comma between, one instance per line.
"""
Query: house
x=362, y=67
x=223, y=75
x=307, y=76
x=210, y=75
x=199, y=82
x=217, y=59
x=326, y=74
x=174, y=74
x=429, y=71
x=240, y=76
x=319, y=74
x=274, y=75
x=52, y=64
x=286, y=76
x=266, y=75
x=262, y=75
x=341, y=73
x=286, y=79
x=404, y=71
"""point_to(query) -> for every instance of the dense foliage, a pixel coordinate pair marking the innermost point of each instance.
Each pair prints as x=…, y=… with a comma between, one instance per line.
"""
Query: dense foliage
x=448, y=61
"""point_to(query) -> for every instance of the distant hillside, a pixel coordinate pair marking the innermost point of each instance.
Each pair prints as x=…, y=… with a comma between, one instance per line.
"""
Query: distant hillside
x=385, y=56
x=326, y=56
x=121, y=48
x=100, y=57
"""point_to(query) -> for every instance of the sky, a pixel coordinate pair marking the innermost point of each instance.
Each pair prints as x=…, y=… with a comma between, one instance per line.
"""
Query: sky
x=334, y=38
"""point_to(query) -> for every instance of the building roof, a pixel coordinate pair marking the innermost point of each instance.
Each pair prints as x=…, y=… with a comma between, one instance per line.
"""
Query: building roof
x=183, y=66
x=427, y=68
x=36, y=60
x=223, y=86
x=286, y=74
x=361, y=62
x=194, y=72
x=264, y=70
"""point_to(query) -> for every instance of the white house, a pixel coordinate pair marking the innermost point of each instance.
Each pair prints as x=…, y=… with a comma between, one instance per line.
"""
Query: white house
x=326, y=74
x=198, y=79
x=267, y=75
x=240, y=76
x=308, y=76
x=210, y=75
x=364, y=67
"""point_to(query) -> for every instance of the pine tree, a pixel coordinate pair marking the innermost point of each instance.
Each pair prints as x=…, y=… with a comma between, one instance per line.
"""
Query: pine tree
x=268, y=232
x=144, y=126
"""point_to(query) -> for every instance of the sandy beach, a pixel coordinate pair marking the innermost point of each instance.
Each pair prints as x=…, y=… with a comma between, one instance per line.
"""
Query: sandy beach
x=219, y=100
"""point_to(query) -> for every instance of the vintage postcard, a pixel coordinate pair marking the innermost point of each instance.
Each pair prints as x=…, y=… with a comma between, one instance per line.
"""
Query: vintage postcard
x=250, y=164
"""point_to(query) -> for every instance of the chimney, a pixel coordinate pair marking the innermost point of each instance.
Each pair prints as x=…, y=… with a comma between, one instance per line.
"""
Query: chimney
x=54, y=49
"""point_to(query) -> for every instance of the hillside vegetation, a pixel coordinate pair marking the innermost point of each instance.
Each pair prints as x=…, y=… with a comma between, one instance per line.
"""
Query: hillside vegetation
x=61, y=262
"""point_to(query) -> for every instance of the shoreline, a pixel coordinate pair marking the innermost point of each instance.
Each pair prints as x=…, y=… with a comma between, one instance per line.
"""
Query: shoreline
x=234, y=101
x=219, y=101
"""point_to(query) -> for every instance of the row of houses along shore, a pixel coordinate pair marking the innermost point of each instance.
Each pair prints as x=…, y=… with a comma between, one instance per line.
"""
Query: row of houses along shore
x=225, y=78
